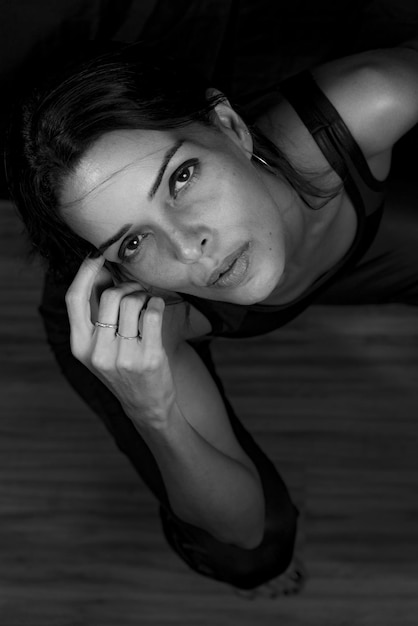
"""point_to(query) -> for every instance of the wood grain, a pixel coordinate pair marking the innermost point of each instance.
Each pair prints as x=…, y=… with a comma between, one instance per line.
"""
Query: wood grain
x=333, y=400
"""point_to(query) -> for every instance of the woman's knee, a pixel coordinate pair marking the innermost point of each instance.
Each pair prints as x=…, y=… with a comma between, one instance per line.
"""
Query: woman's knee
x=240, y=567
x=250, y=568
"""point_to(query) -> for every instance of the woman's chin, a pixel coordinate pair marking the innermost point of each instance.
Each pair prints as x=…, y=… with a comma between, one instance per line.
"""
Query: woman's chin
x=253, y=294
x=262, y=290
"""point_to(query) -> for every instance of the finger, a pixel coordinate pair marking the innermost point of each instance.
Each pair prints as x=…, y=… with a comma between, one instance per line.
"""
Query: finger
x=79, y=293
x=152, y=322
x=109, y=307
x=103, y=281
x=130, y=310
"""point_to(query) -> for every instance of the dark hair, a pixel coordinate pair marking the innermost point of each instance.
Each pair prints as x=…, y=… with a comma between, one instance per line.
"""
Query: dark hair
x=52, y=129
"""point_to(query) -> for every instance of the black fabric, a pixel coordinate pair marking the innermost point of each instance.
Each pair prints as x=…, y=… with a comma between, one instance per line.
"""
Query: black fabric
x=388, y=272
x=365, y=192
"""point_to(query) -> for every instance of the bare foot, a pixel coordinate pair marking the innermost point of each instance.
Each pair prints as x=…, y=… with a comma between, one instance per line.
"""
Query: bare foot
x=290, y=582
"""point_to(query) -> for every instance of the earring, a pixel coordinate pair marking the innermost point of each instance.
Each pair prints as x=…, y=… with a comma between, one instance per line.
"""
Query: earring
x=261, y=160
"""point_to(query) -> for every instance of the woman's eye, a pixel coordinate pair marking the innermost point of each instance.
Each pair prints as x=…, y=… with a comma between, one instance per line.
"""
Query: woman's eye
x=182, y=177
x=131, y=247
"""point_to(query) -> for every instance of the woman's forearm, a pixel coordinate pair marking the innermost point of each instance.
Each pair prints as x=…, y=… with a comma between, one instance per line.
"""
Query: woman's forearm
x=205, y=487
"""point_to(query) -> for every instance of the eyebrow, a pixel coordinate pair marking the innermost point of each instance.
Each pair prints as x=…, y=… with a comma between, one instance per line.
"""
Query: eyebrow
x=124, y=229
x=167, y=157
x=109, y=242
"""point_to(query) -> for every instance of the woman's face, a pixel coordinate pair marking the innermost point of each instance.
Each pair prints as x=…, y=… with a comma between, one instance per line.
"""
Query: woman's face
x=183, y=210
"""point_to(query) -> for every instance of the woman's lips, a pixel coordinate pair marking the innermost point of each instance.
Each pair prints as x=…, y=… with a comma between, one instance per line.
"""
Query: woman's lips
x=233, y=269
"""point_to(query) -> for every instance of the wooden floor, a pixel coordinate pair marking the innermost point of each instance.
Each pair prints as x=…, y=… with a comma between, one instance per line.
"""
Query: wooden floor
x=332, y=398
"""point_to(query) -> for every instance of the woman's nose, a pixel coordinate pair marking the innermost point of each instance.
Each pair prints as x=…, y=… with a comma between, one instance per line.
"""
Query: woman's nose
x=191, y=247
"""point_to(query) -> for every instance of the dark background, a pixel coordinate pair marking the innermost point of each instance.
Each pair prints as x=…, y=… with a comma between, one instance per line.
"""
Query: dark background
x=239, y=46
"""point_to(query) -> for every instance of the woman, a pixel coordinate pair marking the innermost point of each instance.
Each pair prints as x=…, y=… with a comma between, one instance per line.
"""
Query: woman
x=194, y=224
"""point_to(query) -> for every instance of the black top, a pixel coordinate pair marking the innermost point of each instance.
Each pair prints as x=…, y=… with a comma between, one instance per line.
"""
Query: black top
x=365, y=192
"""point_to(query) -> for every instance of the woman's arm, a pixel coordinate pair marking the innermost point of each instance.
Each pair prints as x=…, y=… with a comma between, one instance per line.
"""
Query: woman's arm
x=210, y=481
x=376, y=93
x=175, y=406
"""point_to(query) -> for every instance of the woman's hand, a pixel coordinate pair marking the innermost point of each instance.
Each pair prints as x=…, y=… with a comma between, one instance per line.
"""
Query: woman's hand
x=127, y=355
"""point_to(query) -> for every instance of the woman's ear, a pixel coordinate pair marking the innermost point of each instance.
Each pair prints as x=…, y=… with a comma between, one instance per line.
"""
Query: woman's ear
x=227, y=120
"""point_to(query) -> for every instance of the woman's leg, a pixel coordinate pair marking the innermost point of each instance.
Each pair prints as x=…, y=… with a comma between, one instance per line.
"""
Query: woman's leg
x=241, y=568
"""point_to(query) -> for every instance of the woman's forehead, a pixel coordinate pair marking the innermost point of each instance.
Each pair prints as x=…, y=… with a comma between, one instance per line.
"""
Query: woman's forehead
x=116, y=152
x=119, y=151
x=116, y=172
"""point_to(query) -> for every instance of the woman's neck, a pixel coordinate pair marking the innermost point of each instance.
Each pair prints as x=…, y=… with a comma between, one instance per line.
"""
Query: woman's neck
x=319, y=239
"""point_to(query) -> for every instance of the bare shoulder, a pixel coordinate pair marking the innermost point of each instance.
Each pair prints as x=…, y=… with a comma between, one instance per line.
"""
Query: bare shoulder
x=376, y=94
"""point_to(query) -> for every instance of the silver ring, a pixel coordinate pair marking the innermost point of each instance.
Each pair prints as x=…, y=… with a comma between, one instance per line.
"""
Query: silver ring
x=138, y=336
x=103, y=325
